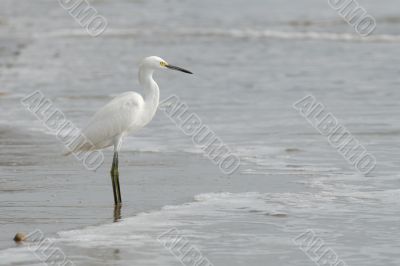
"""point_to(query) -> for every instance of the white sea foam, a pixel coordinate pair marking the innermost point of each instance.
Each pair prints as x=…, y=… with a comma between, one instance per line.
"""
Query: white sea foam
x=221, y=224
x=230, y=33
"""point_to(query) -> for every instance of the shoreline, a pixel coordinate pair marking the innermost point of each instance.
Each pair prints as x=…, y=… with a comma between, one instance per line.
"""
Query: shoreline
x=54, y=198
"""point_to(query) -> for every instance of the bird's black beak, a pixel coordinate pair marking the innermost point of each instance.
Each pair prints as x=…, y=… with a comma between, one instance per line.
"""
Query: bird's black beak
x=178, y=69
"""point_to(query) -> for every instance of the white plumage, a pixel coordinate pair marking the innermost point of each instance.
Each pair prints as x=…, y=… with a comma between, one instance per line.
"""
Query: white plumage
x=119, y=117
x=126, y=113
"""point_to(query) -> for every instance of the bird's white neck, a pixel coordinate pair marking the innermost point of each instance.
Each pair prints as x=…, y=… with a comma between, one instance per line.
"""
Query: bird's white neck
x=151, y=93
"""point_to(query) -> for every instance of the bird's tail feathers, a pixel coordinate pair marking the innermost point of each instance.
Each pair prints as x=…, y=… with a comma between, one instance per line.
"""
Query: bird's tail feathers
x=67, y=153
x=83, y=147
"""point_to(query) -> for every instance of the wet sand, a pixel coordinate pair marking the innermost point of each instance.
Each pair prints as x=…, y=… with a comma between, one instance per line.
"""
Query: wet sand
x=41, y=189
x=250, y=67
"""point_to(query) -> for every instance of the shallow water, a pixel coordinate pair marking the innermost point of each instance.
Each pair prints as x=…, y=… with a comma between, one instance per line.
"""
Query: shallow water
x=250, y=67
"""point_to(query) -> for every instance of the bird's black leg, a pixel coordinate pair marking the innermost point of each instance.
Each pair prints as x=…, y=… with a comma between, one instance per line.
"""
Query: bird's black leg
x=113, y=181
x=117, y=179
x=117, y=212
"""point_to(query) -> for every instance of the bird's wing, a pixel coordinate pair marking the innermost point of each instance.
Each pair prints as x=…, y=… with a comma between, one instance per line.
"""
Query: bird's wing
x=113, y=119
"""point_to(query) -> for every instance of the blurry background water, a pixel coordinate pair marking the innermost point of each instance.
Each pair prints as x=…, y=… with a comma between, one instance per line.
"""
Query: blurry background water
x=252, y=60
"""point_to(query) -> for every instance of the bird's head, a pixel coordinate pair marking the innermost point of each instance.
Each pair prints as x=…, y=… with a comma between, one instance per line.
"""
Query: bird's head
x=155, y=62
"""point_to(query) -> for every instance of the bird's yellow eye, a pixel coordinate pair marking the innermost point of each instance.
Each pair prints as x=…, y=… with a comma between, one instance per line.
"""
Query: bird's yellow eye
x=163, y=64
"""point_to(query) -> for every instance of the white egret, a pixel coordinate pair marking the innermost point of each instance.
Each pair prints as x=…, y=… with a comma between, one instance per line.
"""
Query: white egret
x=126, y=113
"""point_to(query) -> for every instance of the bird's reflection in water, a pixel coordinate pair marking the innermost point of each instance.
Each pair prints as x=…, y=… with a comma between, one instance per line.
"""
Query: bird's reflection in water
x=117, y=212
